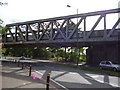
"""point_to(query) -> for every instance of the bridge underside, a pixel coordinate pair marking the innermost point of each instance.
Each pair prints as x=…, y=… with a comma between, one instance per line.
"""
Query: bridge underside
x=60, y=44
x=96, y=52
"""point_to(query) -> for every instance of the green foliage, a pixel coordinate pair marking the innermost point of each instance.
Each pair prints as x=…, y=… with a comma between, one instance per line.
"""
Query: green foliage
x=99, y=70
x=3, y=30
x=70, y=56
x=28, y=52
x=48, y=53
x=1, y=27
x=4, y=50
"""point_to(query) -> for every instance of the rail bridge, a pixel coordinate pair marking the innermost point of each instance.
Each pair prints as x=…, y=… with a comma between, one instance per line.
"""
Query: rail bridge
x=70, y=31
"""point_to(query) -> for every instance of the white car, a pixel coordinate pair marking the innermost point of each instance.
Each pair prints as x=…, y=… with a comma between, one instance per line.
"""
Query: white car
x=19, y=59
x=109, y=65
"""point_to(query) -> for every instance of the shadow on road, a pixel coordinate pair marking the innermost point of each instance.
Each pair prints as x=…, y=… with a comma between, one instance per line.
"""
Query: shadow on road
x=66, y=76
x=12, y=72
x=71, y=77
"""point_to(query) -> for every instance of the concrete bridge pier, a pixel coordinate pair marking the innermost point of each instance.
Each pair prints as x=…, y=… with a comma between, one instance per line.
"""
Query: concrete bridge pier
x=97, y=53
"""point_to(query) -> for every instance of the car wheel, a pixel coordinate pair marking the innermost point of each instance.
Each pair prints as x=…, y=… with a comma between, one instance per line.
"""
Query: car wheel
x=114, y=69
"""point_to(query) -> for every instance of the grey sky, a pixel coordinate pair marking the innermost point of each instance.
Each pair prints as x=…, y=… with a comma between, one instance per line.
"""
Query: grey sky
x=26, y=10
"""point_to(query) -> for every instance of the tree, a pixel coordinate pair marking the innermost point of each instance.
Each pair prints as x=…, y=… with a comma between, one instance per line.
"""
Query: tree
x=3, y=30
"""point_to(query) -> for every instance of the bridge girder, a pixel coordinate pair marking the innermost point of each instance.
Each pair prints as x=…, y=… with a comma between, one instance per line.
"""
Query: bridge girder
x=63, y=31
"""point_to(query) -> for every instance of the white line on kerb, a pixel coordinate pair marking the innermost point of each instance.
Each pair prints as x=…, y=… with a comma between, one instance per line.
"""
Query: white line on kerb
x=54, y=81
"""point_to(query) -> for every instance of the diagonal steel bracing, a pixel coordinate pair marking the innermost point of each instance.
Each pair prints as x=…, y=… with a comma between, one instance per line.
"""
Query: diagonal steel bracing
x=113, y=28
x=33, y=34
x=20, y=33
x=64, y=29
x=44, y=31
x=94, y=26
x=59, y=30
x=75, y=28
x=11, y=35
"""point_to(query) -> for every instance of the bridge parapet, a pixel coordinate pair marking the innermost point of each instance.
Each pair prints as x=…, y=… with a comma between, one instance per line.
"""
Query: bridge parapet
x=63, y=29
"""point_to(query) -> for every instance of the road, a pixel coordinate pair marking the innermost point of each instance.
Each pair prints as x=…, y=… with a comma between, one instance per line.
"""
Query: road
x=63, y=77
x=67, y=77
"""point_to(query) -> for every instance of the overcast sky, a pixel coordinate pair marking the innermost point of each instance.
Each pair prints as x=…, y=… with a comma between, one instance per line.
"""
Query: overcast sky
x=26, y=10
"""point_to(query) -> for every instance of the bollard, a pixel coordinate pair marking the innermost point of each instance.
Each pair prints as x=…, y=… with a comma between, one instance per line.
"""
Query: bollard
x=22, y=66
x=30, y=70
x=48, y=81
x=18, y=63
x=15, y=61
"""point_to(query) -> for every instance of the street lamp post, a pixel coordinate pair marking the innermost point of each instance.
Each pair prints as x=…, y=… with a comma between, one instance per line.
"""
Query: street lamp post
x=78, y=51
x=76, y=11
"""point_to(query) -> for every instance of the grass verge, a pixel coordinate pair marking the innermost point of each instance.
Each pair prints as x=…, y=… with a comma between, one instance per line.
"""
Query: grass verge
x=92, y=69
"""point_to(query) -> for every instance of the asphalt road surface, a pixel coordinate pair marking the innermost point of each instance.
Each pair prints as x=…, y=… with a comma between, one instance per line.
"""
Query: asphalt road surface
x=66, y=78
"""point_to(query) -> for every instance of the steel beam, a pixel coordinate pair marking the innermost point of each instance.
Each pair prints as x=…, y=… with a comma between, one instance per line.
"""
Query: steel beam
x=52, y=30
x=113, y=29
x=92, y=29
x=75, y=28
x=20, y=33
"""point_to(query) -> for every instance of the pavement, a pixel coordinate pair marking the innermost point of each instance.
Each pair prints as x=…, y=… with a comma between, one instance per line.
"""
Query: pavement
x=0, y=76
x=13, y=77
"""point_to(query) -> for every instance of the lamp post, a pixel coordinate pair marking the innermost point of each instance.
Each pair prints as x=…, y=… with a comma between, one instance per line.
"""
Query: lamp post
x=76, y=11
x=77, y=51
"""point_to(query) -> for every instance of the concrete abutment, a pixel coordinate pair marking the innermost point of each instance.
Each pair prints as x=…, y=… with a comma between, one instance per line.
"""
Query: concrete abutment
x=97, y=53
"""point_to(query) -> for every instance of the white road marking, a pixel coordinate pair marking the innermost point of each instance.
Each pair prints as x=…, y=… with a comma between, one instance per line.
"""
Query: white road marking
x=95, y=77
x=27, y=83
x=54, y=81
x=59, y=84
x=73, y=73
x=38, y=72
x=115, y=85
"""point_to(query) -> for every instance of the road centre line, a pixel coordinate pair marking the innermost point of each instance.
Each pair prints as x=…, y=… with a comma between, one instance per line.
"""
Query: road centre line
x=53, y=81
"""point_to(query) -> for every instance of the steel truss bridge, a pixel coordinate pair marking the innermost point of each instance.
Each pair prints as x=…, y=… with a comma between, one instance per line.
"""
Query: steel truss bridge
x=65, y=30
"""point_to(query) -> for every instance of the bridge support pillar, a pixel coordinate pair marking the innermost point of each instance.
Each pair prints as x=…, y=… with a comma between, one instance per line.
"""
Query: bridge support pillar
x=97, y=53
